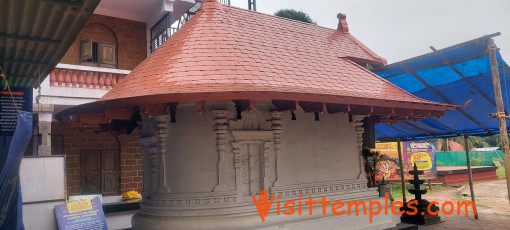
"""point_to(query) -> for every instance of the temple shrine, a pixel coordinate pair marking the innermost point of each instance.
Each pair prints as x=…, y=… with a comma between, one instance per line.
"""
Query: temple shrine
x=236, y=102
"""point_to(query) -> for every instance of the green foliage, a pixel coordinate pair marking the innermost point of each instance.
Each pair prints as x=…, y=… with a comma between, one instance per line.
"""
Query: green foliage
x=474, y=142
x=501, y=173
x=370, y=159
x=396, y=190
x=295, y=15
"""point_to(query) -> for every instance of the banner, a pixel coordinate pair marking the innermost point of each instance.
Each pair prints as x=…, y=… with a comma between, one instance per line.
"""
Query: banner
x=387, y=167
x=423, y=153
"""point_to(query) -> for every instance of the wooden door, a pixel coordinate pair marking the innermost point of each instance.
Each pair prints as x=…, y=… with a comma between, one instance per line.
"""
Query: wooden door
x=90, y=171
x=110, y=172
x=100, y=172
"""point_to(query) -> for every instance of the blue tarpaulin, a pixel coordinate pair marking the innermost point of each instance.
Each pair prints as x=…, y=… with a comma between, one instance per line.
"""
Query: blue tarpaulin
x=455, y=75
x=10, y=192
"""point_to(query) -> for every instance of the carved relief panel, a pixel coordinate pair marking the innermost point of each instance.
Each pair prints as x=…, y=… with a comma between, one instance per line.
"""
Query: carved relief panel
x=254, y=156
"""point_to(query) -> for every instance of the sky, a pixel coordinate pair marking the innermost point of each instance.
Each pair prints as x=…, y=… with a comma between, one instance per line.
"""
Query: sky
x=402, y=29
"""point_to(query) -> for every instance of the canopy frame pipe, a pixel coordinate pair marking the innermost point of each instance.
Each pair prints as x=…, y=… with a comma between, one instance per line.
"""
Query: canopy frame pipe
x=444, y=126
x=398, y=130
x=402, y=173
x=445, y=60
x=470, y=174
x=448, y=101
x=496, y=82
x=416, y=127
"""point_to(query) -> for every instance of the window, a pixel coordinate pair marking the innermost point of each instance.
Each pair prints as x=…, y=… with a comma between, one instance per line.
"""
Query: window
x=98, y=54
x=160, y=32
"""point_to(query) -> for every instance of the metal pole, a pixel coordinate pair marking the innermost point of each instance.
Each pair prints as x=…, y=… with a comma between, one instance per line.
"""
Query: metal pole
x=401, y=165
x=496, y=82
x=252, y=4
x=470, y=173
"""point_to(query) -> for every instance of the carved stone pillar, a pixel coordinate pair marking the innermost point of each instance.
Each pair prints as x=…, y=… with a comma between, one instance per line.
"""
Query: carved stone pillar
x=220, y=130
x=149, y=148
x=161, y=135
x=153, y=140
x=277, y=131
x=358, y=122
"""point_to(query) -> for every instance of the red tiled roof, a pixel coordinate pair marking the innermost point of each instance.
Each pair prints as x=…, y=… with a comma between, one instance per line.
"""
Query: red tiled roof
x=227, y=53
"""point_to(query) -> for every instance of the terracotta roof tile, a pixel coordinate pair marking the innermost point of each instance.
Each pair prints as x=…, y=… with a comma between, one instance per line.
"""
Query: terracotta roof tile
x=225, y=50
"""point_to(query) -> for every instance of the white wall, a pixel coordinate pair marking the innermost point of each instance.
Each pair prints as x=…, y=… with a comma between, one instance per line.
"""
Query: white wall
x=192, y=165
x=42, y=179
x=318, y=151
x=311, y=151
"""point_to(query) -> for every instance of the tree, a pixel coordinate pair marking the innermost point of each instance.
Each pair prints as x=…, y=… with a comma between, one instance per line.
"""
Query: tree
x=295, y=15
x=474, y=142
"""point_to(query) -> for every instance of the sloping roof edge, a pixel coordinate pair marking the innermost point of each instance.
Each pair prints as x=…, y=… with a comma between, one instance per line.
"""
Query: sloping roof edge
x=35, y=35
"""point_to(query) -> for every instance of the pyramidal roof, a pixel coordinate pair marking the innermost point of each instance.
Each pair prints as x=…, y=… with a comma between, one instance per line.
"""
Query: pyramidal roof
x=228, y=53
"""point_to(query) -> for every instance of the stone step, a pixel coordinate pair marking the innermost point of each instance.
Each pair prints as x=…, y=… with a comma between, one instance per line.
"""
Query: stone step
x=404, y=227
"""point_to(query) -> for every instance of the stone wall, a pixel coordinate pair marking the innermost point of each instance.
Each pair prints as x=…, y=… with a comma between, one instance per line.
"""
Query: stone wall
x=309, y=151
x=129, y=36
x=203, y=170
x=314, y=151
x=131, y=165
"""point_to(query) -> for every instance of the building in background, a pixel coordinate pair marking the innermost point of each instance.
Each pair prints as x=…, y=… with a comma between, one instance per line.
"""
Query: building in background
x=115, y=39
x=117, y=36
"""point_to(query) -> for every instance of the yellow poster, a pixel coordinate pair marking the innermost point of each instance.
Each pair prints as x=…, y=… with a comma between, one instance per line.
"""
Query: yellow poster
x=422, y=160
x=79, y=206
x=387, y=167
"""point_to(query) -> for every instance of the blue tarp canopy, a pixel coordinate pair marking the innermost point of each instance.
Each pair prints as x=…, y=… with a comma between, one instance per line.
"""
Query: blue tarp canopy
x=459, y=75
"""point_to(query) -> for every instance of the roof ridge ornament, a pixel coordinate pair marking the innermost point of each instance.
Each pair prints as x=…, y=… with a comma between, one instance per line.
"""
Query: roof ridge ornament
x=342, y=23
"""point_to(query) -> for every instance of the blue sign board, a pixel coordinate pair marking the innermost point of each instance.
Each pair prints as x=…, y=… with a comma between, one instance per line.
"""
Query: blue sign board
x=81, y=215
x=20, y=99
x=10, y=103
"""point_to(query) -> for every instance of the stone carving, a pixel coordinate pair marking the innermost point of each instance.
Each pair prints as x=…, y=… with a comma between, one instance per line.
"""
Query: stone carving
x=150, y=146
x=358, y=122
x=196, y=200
x=253, y=149
x=319, y=188
x=277, y=131
x=161, y=135
x=153, y=139
x=251, y=120
x=220, y=130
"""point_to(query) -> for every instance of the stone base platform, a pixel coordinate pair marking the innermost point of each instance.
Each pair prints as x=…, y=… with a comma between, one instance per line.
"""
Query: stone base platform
x=252, y=220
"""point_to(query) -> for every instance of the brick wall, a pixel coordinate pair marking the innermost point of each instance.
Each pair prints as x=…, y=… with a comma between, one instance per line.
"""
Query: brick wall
x=130, y=37
x=131, y=165
x=462, y=178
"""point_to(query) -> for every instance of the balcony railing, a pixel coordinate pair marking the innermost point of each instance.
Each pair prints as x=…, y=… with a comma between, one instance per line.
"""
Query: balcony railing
x=163, y=30
x=74, y=76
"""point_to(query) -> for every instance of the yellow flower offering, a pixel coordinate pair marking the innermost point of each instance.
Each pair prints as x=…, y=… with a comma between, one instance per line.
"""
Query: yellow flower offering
x=131, y=195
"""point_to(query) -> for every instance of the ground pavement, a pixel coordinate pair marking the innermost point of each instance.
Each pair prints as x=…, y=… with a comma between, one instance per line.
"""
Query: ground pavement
x=492, y=204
